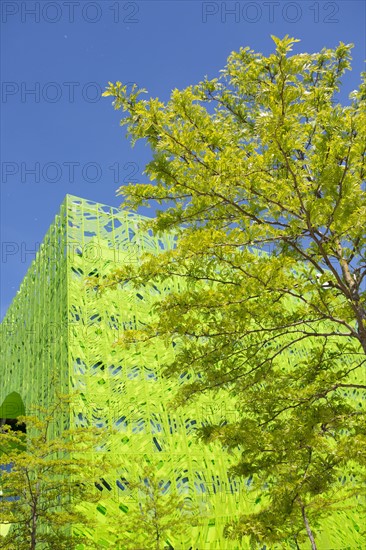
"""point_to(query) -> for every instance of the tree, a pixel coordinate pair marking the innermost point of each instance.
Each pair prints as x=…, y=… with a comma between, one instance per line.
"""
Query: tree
x=47, y=482
x=262, y=176
x=155, y=514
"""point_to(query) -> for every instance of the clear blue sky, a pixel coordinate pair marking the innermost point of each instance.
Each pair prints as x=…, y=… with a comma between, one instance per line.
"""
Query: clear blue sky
x=67, y=51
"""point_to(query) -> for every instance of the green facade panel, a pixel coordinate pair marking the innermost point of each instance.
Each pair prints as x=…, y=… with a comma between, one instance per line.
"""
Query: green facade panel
x=34, y=332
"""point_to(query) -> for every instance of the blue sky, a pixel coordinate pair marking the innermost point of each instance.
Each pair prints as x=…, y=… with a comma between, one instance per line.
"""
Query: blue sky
x=63, y=138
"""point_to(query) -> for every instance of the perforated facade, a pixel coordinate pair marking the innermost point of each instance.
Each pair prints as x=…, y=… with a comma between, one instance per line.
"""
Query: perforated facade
x=59, y=335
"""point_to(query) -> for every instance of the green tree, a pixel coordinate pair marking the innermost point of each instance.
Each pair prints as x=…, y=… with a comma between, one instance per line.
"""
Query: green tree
x=48, y=479
x=155, y=515
x=261, y=173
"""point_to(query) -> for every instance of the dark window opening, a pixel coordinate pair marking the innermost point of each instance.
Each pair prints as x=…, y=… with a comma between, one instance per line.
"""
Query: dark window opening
x=13, y=423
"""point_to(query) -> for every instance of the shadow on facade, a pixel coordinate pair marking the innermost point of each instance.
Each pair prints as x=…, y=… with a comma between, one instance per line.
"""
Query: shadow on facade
x=10, y=410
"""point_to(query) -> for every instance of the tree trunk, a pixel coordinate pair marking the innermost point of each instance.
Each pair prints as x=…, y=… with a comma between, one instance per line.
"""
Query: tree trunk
x=34, y=529
x=308, y=529
x=361, y=320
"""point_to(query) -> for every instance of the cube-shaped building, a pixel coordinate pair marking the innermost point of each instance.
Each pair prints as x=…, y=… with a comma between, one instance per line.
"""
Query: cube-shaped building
x=59, y=335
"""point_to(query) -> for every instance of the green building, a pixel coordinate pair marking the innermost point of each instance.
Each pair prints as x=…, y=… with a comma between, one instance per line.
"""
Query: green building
x=59, y=336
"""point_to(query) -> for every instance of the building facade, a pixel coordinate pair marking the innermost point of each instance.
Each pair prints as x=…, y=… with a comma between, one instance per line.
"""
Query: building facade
x=59, y=336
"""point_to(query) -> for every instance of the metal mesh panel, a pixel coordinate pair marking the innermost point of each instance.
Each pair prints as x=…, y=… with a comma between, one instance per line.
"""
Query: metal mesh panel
x=34, y=332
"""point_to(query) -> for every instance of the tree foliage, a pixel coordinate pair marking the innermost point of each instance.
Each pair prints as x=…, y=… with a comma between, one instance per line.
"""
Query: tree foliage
x=48, y=479
x=155, y=515
x=261, y=174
